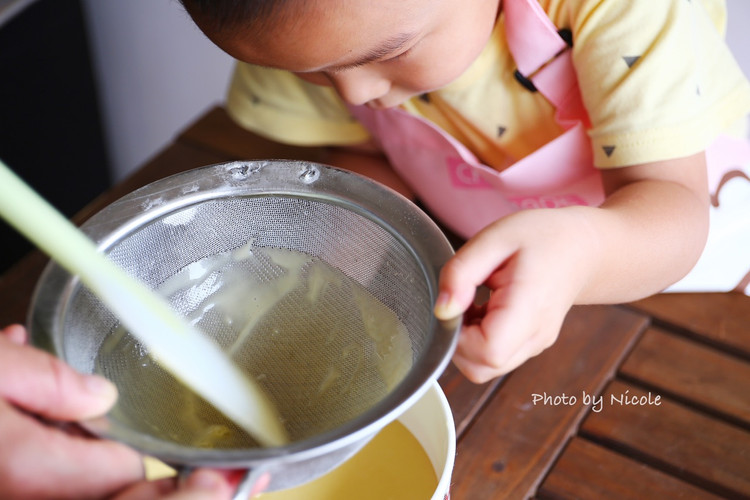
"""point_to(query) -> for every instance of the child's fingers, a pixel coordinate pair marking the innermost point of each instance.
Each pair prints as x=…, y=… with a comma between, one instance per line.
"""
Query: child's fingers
x=484, y=348
x=476, y=373
x=472, y=360
x=460, y=278
x=473, y=367
x=42, y=384
x=503, y=338
x=472, y=266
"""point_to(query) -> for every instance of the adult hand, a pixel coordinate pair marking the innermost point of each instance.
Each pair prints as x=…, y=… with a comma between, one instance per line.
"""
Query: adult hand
x=203, y=484
x=41, y=460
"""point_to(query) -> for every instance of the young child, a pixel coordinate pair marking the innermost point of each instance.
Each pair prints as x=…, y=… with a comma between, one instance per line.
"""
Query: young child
x=568, y=140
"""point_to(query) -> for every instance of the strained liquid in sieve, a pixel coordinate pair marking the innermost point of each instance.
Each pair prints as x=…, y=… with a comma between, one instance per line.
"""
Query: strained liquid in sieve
x=322, y=346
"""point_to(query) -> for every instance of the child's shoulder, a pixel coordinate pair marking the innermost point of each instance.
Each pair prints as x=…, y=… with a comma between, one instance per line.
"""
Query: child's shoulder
x=574, y=13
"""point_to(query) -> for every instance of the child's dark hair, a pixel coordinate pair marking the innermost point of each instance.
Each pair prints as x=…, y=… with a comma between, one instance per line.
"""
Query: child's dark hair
x=223, y=14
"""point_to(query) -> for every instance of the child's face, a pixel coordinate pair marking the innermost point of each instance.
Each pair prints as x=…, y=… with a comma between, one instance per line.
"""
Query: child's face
x=378, y=53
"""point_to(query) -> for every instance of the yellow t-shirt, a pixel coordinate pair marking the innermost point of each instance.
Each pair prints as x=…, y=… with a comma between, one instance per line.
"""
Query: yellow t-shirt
x=656, y=78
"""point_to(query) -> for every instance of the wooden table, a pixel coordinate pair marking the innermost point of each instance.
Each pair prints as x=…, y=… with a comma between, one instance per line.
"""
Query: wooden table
x=645, y=400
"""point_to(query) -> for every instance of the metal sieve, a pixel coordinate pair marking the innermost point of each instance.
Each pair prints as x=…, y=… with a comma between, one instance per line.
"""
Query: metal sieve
x=318, y=282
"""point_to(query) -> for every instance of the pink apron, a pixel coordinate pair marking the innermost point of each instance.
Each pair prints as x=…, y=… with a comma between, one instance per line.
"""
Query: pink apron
x=466, y=195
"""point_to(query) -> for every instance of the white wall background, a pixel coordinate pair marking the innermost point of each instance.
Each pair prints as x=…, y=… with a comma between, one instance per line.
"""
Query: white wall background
x=157, y=72
x=738, y=31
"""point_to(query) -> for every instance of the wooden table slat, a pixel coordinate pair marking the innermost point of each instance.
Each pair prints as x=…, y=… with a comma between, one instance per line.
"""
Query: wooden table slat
x=692, y=372
x=722, y=319
x=676, y=439
x=587, y=471
x=513, y=442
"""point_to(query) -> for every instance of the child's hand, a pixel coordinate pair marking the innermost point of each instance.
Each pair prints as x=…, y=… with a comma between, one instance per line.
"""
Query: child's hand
x=534, y=262
x=647, y=234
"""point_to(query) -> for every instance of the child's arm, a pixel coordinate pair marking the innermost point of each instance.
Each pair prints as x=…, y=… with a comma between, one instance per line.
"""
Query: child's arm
x=647, y=234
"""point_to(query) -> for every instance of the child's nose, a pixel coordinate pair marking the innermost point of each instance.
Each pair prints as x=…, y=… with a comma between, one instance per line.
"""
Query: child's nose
x=359, y=85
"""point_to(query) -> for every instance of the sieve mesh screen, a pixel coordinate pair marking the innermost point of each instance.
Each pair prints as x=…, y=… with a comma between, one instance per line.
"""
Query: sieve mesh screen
x=317, y=302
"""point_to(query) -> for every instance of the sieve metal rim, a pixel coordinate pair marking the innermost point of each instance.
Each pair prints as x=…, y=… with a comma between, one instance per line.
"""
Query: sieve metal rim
x=406, y=222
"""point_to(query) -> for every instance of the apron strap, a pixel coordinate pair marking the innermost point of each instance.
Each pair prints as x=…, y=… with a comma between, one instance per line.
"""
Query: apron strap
x=543, y=58
x=532, y=38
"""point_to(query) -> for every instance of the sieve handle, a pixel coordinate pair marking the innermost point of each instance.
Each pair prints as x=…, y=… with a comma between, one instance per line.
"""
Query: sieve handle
x=175, y=344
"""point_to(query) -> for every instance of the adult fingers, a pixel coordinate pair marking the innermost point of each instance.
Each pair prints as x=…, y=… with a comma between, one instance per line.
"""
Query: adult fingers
x=41, y=461
x=206, y=483
x=15, y=333
x=202, y=484
x=147, y=490
x=42, y=384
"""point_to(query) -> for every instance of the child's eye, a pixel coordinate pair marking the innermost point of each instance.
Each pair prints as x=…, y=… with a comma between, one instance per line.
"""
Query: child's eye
x=400, y=56
x=390, y=59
